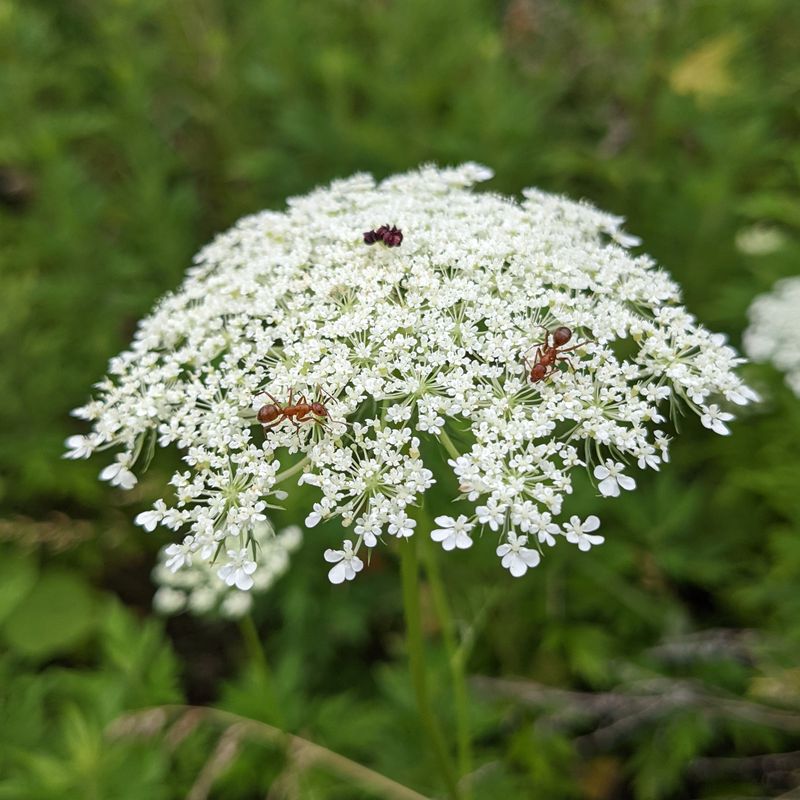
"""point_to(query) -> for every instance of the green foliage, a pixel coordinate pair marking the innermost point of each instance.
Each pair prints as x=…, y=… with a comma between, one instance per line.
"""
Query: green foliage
x=51, y=618
x=54, y=741
x=132, y=132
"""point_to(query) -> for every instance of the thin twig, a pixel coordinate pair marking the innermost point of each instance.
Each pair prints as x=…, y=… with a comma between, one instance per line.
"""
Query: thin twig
x=223, y=755
x=635, y=704
x=304, y=751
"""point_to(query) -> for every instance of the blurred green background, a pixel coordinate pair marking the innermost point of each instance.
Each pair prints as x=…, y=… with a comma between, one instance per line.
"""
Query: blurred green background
x=131, y=132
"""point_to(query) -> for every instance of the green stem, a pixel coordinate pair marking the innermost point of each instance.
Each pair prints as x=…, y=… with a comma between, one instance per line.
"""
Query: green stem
x=293, y=470
x=255, y=652
x=456, y=660
x=452, y=450
x=409, y=567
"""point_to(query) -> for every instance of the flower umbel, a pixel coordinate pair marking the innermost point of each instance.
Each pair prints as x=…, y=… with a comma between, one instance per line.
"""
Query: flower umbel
x=200, y=587
x=292, y=315
x=774, y=332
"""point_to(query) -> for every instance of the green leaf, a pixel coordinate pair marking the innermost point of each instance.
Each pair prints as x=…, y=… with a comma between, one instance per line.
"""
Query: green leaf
x=53, y=617
x=17, y=575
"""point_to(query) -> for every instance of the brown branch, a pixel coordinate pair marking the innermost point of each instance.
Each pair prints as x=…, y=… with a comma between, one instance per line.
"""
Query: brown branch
x=304, y=752
x=714, y=643
x=743, y=767
x=224, y=754
x=632, y=706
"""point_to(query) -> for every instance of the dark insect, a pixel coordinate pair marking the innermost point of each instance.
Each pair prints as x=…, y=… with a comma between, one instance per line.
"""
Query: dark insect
x=272, y=414
x=391, y=237
x=548, y=355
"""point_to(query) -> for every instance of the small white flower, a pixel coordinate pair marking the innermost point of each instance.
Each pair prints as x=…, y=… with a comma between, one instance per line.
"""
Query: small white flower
x=236, y=604
x=611, y=478
x=491, y=514
x=118, y=474
x=239, y=569
x=398, y=413
x=401, y=525
x=453, y=533
x=577, y=532
x=650, y=460
x=315, y=517
x=168, y=600
x=715, y=420
x=760, y=239
x=346, y=562
x=368, y=531
x=79, y=447
x=546, y=530
x=178, y=555
x=517, y=558
x=742, y=395
x=149, y=520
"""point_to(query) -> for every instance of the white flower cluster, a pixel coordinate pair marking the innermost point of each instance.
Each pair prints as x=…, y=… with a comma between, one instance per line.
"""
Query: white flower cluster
x=446, y=339
x=774, y=331
x=195, y=585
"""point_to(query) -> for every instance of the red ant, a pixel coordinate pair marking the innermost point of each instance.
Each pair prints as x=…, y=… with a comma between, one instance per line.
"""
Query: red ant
x=272, y=414
x=548, y=355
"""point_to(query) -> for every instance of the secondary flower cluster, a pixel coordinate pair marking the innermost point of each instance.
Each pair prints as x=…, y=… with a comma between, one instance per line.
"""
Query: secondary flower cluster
x=198, y=587
x=407, y=349
x=774, y=332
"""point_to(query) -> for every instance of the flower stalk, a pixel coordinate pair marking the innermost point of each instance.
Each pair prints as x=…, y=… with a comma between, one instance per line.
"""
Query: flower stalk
x=456, y=661
x=409, y=568
x=257, y=655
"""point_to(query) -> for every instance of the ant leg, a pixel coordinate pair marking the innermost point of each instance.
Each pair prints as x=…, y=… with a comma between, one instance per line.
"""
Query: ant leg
x=325, y=420
x=537, y=356
x=574, y=346
x=567, y=360
x=272, y=424
x=274, y=400
x=326, y=392
x=546, y=336
x=570, y=349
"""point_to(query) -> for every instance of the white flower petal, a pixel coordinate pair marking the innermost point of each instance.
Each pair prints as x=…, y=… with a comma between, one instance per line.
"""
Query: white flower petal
x=591, y=523
x=243, y=580
x=338, y=573
x=609, y=487
x=626, y=482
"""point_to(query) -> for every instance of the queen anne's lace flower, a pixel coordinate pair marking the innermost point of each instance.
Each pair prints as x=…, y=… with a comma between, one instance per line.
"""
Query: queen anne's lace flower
x=611, y=478
x=579, y=533
x=422, y=342
x=201, y=588
x=774, y=332
x=453, y=533
x=515, y=557
x=346, y=562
